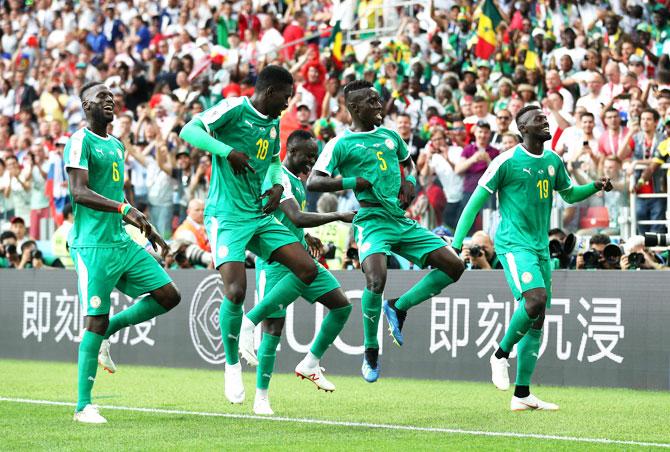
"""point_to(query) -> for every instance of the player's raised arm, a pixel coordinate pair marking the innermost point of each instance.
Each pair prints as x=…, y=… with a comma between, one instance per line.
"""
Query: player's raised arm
x=474, y=205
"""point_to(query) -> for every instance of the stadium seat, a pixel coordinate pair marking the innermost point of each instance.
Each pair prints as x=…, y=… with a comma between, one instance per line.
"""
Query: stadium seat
x=595, y=217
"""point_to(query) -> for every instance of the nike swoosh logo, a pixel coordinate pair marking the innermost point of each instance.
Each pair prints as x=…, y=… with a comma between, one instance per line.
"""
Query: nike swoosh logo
x=529, y=405
x=230, y=336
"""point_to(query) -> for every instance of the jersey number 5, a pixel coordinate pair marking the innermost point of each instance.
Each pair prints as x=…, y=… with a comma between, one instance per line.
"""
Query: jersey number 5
x=382, y=165
x=543, y=187
x=263, y=146
x=115, y=172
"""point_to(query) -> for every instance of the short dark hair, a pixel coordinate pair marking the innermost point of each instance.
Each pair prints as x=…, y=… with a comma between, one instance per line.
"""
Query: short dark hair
x=86, y=87
x=557, y=231
x=477, y=99
x=7, y=235
x=611, y=109
x=404, y=115
x=354, y=86
x=525, y=110
x=27, y=243
x=273, y=75
x=588, y=113
x=653, y=112
x=298, y=136
x=600, y=239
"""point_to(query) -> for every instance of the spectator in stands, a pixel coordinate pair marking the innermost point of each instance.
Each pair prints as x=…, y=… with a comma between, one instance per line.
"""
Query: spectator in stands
x=192, y=230
x=503, y=123
x=16, y=188
x=36, y=174
x=475, y=158
x=615, y=137
x=59, y=239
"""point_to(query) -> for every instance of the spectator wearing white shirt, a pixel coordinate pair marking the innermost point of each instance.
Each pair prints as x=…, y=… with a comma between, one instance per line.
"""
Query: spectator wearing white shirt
x=554, y=84
x=594, y=101
x=574, y=139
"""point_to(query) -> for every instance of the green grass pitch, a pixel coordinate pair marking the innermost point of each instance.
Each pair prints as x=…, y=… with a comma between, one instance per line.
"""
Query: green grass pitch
x=463, y=408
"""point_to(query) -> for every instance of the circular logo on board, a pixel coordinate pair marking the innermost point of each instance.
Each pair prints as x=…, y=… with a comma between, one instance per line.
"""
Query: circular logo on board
x=95, y=302
x=203, y=320
x=273, y=133
x=526, y=277
x=551, y=170
x=389, y=143
x=222, y=251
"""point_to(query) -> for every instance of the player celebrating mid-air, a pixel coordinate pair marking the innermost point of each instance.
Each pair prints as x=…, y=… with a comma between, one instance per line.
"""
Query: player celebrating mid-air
x=245, y=143
x=525, y=178
x=105, y=256
x=301, y=152
x=369, y=158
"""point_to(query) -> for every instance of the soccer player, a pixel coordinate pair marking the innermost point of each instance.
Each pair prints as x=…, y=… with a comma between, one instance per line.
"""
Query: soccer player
x=301, y=154
x=105, y=256
x=369, y=158
x=525, y=178
x=245, y=143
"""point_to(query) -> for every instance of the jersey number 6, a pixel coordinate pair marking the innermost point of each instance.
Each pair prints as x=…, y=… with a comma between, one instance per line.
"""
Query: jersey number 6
x=263, y=146
x=115, y=172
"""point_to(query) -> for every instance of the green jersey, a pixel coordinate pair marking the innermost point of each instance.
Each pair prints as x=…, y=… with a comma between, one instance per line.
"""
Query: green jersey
x=293, y=189
x=103, y=159
x=374, y=156
x=525, y=184
x=239, y=125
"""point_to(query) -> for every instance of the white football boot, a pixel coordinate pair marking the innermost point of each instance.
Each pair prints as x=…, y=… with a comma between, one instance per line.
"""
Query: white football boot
x=89, y=415
x=499, y=372
x=246, y=343
x=262, y=403
x=314, y=374
x=104, y=358
x=531, y=403
x=233, y=385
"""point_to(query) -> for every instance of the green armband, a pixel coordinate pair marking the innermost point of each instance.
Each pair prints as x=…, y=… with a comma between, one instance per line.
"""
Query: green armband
x=411, y=179
x=348, y=183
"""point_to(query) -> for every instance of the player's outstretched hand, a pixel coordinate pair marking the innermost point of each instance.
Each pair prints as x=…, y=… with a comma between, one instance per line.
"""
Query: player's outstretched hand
x=604, y=183
x=137, y=218
x=314, y=244
x=348, y=217
x=362, y=184
x=274, y=196
x=406, y=194
x=157, y=240
x=240, y=162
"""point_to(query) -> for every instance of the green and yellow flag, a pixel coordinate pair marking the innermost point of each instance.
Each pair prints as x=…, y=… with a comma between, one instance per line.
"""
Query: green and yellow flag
x=335, y=43
x=531, y=55
x=486, y=30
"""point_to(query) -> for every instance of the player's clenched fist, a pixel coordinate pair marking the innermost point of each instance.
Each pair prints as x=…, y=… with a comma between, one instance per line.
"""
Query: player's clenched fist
x=239, y=161
x=362, y=184
x=604, y=183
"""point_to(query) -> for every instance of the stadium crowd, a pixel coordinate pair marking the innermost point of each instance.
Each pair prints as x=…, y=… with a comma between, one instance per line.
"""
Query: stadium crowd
x=453, y=74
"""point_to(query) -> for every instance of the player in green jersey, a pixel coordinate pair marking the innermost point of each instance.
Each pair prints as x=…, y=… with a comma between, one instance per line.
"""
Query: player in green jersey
x=301, y=152
x=243, y=136
x=525, y=178
x=105, y=257
x=369, y=158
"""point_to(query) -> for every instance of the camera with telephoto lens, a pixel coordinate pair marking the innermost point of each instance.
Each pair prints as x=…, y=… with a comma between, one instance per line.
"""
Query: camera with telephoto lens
x=611, y=253
x=187, y=252
x=36, y=254
x=563, y=251
x=352, y=253
x=476, y=251
x=654, y=239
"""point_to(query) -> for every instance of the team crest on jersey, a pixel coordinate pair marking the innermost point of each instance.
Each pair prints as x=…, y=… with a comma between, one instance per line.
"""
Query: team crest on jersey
x=222, y=252
x=527, y=277
x=551, y=170
x=389, y=143
x=95, y=302
x=273, y=133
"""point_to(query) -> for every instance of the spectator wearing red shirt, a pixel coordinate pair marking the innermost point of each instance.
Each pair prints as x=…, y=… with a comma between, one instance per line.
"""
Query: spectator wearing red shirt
x=315, y=82
x=294, y=31
x=247, y=19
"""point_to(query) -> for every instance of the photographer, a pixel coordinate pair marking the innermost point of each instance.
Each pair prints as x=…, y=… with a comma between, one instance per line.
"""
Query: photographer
x=31, y=257
x=637, y=257
x=184, y=254
x=351, y=260
x=479, y=253
x=602, y=254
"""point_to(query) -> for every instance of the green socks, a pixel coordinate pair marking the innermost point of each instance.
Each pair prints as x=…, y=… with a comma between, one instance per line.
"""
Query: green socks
x=371, y=304
x=87, y=367
x=144, y=309
x=518, y=327
x=230, y=320
x=282, y=294
x=527, y=353
x=267, y=352
x=330, y=328
x=429, y=286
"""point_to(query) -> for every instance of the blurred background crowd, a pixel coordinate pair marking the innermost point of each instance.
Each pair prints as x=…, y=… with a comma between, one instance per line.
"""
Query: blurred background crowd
x=452, y=74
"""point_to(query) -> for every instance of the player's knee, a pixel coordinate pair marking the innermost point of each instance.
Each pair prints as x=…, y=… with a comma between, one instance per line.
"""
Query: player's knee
x=308, y=272
x=274, y=327
x=97, y=324
x=376, y=283
x=456, y=270
x=235, y=293
x=173, y=298
x=535, y=303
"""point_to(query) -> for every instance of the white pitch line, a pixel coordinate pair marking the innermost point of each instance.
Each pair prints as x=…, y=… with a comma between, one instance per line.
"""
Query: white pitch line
x=411, y=428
